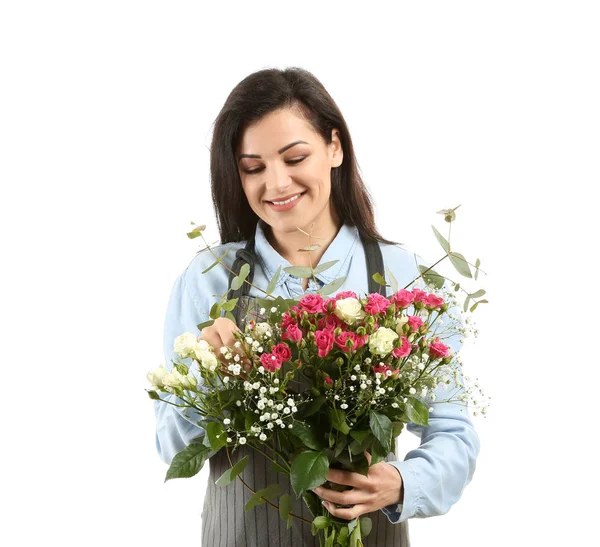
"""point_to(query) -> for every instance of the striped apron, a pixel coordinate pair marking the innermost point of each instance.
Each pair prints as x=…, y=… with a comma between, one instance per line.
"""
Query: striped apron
x=224, y=521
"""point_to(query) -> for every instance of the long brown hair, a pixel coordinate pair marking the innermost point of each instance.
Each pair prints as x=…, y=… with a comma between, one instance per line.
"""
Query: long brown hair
x=255, y=96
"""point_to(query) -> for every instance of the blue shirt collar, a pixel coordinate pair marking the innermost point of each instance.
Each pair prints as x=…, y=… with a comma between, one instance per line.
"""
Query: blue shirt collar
x=341, y=249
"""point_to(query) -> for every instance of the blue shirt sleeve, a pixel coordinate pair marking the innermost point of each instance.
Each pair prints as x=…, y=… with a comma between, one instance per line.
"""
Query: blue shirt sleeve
x=176, y=427
x=436, y=473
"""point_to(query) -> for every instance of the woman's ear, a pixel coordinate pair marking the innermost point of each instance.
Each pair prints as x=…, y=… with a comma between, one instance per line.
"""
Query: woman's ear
x=335, y=147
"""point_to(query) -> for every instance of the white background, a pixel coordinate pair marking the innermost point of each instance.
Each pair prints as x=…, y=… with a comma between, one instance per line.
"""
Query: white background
x=105, y=123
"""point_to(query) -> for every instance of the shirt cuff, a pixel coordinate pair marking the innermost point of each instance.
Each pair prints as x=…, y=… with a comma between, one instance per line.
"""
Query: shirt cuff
x=398, y=512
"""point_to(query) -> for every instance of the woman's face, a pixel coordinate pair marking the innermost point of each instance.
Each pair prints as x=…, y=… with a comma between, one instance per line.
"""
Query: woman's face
x=281, y=156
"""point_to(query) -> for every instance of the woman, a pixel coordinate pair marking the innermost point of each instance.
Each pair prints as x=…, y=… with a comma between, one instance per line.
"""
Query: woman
x=284, y=176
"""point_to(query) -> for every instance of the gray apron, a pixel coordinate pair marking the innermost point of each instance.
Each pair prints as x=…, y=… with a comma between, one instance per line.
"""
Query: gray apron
x=224, y=521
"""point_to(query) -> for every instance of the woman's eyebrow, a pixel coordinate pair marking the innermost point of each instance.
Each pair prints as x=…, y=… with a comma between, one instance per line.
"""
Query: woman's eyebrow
x=280, y=151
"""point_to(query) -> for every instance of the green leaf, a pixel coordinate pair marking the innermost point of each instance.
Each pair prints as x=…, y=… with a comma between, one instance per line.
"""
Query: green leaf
x=285, y=506
x=442, y=240
x=309, y=470
x=333, y=286
x=354, y=538
x=477, y=264
x=366, y=525
x=153, y=395
x=321, y=522
x=432, y=277
x=379, y=279
x=205, y=324
x=360, y=436
x=474, y=307
x=216, y=435
x=262, y=496
x=381, y=426
x=325, y=266
x=273, y=282
x=279, y=468
x=311, y=407
x=378, y=452
x=309, y=248
x=466, y=305
x=461, y=264
x=215, y=310
x=236, y=283
x=230, y=304
x=188, y=462
x=352, y=525
x=338, y=420
x=392, y=279
x=298, y=271
x=397, y=428
x=232, y=472
x=217, y=262
x=306, y=434
x=230, y=316
x=416, y=411
x=477, y=294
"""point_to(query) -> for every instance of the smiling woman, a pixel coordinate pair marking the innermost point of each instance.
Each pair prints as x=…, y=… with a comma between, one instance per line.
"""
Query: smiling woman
x=284, y=177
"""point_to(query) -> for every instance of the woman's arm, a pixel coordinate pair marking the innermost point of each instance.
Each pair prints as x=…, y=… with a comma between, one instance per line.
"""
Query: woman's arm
x=176, y=427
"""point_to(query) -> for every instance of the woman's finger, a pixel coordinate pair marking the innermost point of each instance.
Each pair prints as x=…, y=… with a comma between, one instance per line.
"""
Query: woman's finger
x=346, y=513
x=339, y=476
x=347, y=497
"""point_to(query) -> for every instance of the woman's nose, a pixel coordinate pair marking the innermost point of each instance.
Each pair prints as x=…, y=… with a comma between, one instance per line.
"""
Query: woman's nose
x=278, y=179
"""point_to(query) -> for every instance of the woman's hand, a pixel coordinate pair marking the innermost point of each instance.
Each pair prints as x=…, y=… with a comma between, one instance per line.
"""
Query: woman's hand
x=220, y=334
x=382, y=487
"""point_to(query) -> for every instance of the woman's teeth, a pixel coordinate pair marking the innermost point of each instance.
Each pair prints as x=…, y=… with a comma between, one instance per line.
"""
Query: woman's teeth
x=286, y=201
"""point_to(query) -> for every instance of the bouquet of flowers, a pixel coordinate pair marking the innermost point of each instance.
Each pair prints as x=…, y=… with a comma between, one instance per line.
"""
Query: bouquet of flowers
x=332, y=382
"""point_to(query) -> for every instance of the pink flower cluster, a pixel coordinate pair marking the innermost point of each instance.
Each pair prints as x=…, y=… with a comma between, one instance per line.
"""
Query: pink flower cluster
x=279, y=355
x=404, y=298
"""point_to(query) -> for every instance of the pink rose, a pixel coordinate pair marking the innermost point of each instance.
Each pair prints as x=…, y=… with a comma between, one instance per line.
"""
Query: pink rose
x=419, y=295
x=433, y=301
x=292, y=333
x=403, y=298
x=376, y=303
x=437, y=349
x=328, y=380
x=282, y=352
x=346, y=294
x=329, y=305
x=343, y=338
x=361, y=340
x=324, y=340
x=383, y=369
x=286, y=320
x=404, y=348
x=270, y=362
x=415, y=322
x=331, y=322
x=312, y=303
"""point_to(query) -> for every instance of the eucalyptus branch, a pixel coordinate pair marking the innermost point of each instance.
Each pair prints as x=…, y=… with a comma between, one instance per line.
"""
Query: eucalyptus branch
x=254, y=492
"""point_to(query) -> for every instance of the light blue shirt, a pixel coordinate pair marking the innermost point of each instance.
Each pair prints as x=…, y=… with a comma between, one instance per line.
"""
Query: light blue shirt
x=435, y=473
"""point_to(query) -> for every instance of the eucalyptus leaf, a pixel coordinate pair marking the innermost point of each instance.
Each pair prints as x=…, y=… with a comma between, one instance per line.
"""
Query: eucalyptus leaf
x=261, y=496
x=366, y=525
x=477, y=294
x=230, y=304
x=232, y=472
x=273, y=282
x=431, y=276
x=298, y=271
x=205, y=324
x=215, y=310
x=309, y=470
x=188, y=462
x=460, y=263
x=236, y=283
x=333, y=286
x=392, y=279
x=285, y=506
x=477, y=264
x=442, y=240
x=474, y=307
x=218, y=261
x=230, y=316
x=379, y=279
x=325, y=266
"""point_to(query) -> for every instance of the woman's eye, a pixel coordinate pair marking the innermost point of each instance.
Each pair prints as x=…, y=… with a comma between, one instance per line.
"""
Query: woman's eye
x=289, y=162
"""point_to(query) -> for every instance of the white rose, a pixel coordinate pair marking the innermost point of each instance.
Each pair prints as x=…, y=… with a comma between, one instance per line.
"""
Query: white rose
x=209, y=360
x=349, y=310
x=200, y=347
x=173, y=379
x=400, y=322
x=184, y=344
x=382, y=341
x=262, y=329
x=156, y=377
